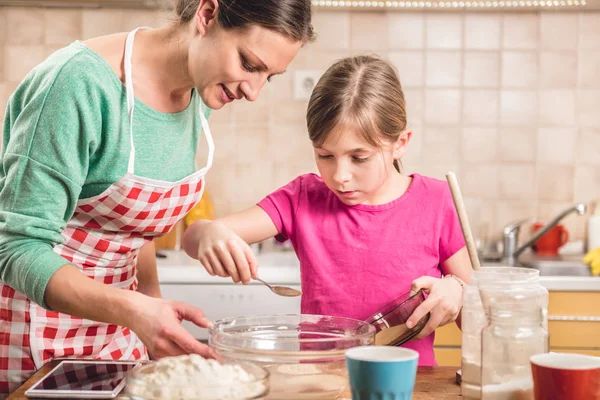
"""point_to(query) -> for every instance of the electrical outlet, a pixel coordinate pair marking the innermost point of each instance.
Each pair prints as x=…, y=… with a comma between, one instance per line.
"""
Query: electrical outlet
x=304, y=82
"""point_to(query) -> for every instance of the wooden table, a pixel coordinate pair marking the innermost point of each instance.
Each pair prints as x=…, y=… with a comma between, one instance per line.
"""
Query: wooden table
x=433, y=383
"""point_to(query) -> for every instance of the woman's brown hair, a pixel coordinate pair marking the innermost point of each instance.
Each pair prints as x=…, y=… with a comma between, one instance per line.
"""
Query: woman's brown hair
x=362, y=91
x=291, y=18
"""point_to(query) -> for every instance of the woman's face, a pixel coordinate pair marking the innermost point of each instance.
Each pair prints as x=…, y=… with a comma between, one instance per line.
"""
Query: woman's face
x=228, y=65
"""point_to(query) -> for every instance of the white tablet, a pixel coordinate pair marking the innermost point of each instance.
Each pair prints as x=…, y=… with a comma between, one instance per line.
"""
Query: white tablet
x=83, y=379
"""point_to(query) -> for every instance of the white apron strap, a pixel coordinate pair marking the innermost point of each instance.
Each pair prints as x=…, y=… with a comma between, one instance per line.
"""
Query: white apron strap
x=131, y=106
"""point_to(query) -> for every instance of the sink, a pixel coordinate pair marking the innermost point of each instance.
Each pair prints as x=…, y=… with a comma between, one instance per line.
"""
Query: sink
x=562, y=265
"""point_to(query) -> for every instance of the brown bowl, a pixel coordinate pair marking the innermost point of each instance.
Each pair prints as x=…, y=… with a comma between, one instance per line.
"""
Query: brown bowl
x=390, y=320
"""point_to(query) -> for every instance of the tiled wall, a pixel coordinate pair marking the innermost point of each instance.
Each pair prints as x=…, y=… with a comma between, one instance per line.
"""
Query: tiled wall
x=510, y=102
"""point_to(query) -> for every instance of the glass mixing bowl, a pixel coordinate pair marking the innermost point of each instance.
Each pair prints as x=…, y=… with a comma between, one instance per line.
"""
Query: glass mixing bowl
x=140, y=385
x=304, y=354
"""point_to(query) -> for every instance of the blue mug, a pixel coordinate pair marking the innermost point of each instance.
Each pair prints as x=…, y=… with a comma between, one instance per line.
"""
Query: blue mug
x=382, y=372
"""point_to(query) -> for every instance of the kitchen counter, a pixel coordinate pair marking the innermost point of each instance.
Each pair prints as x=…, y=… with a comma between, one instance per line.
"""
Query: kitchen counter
x=283, y=268
x=433, y=383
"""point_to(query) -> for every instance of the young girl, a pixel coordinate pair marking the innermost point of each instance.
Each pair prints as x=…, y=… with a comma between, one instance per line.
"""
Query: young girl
x=363, y=232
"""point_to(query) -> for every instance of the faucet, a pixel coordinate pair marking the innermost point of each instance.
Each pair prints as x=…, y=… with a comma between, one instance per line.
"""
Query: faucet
x=511, y=232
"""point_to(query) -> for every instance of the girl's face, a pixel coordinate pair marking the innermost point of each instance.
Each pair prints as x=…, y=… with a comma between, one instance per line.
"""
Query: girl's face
x=357, y=172
x=228, y=65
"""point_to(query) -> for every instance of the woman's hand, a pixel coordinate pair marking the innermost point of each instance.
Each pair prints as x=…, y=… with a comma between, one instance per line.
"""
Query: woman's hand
x=220, y=250
x=444, y=301
x=158, y=325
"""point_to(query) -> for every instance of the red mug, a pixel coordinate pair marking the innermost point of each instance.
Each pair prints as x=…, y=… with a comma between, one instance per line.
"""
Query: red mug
x=565, y=376
x=551, y=241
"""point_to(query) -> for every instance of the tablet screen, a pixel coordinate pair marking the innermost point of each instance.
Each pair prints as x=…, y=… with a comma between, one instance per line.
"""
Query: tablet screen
x=101, y=376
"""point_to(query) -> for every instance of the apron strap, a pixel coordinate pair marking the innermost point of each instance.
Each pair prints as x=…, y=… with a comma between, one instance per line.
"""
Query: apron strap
x=130, y=95
x=131, y=106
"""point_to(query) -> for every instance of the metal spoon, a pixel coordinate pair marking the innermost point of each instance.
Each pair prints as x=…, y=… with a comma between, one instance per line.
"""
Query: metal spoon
x=281, y=290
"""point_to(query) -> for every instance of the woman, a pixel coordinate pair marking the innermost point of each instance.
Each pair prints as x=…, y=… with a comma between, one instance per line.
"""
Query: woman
x=87, y=179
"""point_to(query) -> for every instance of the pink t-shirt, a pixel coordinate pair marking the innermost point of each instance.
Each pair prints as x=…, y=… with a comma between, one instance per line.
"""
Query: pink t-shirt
x=356, y=259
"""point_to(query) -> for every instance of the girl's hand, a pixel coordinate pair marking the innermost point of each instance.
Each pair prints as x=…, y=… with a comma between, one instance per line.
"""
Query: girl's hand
x=444, y=301
x=221, y=251
x=158, y=325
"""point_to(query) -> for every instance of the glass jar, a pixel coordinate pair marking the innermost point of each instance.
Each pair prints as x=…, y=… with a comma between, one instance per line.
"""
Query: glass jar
x=473, y=320
x=487, y=284
x=514, y=334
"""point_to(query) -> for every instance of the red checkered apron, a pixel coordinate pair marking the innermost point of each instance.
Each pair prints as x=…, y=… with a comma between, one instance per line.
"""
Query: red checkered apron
x=102, y=238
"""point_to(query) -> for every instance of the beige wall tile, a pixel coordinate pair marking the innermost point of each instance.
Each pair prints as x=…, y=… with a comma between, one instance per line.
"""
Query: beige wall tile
x=517, y=182
x=323, y=59
x=589, y=31
x=444, y=31
x=440, y=145
x=588, y=147
x=519, y=69
x=290, y=144
x=518, y=107
x=480, y=145
x=558, y=70
x=369, y=31
x=252, y=112
x=2, y=63
x=3, y=26
x=410, y=65
x=556, y=145
x=99, y=22
x=61, y=26
x=520, y=31
x=414, y=153
x=508, y=211
x=480, y=107
x=221, y=182
x=555, y=182
x=482, y=69
x=443, y=69
x=50, y=49
x=286, y=172
x=482, y=31
x=588, y=108
x=480, y=180
x=442, y=106
x=557, y=107
x=25, y=26
x=135, y=18
x=255, y=180
x=517, y=144
x=414, y=103
x=289, y=112
x=252, y=143
x=438, y=171
x=281, y=87
x=558, y=31
x=222, y=116
x=225, y=141
x=589, y=69
x=22, y=60
x=4, y=95
x=333, y=29
x=406, y=31
x=587, y=183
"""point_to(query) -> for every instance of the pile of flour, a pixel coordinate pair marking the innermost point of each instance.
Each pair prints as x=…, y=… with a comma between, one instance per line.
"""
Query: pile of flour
x=191, y=377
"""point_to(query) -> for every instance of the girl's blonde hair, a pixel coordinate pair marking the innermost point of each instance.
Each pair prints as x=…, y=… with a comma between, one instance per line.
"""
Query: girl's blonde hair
x=362, y=91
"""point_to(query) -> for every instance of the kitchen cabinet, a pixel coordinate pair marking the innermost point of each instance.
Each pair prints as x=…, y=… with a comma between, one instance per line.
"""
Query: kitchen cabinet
x=573, y=325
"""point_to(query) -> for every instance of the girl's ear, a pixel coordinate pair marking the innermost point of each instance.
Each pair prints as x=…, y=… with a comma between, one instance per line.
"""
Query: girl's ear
x=205, y=14
x=402, y=144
